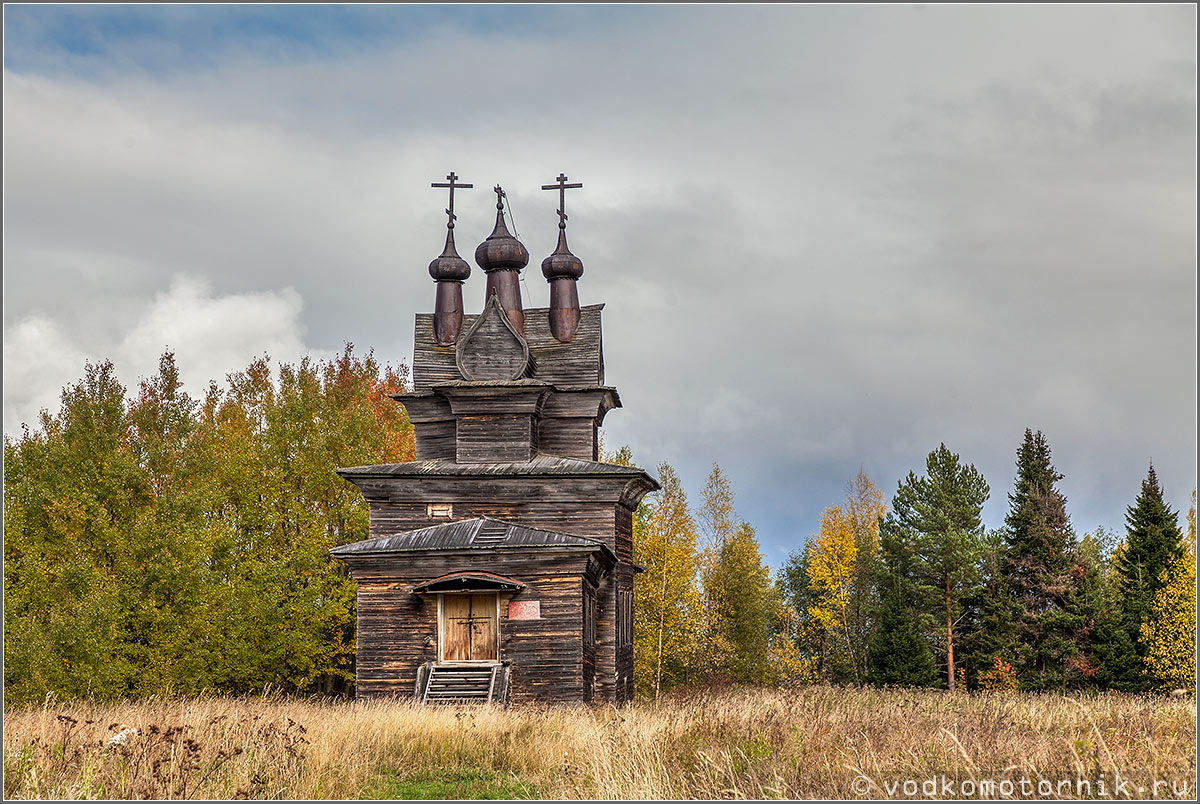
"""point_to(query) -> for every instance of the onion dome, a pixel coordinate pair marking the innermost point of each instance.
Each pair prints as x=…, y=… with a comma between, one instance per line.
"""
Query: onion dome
x=561, y=269
x=449, y=270
x=501, y=251
x=562, y=264
x=449, y=267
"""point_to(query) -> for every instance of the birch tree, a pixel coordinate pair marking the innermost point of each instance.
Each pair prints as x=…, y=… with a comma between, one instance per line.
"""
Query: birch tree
x=667, y=603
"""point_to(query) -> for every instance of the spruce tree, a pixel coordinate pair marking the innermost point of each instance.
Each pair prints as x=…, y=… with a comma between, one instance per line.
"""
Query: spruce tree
x=1116, y=652
x=989, y=630
x=1087, y=601
x=1038, y=567
x=1153, y=543
x=897, y=653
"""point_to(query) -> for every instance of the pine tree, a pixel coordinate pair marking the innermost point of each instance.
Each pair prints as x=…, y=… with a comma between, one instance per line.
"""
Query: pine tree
x=932, y=541
x=1038, y=567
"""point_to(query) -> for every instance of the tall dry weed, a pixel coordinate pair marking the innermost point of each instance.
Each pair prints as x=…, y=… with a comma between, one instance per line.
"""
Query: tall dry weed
x=814, y=742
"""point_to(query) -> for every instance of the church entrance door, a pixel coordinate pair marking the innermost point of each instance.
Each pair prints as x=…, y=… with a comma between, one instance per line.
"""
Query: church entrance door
x=469, y=631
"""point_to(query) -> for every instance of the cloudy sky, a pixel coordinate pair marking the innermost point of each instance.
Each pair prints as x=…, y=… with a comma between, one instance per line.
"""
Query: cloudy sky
x=828, y=237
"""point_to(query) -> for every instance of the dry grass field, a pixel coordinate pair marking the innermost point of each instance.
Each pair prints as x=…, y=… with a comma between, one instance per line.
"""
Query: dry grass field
x=815, y=742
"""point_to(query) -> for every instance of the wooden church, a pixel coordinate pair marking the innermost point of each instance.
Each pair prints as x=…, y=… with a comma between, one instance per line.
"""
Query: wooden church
x=500, y=562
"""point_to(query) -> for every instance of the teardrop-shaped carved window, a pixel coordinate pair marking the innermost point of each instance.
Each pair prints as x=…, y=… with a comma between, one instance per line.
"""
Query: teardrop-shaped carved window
x=492, y=349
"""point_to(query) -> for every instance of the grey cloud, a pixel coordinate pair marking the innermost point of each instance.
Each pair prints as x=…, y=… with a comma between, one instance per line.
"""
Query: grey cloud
x=827, y=236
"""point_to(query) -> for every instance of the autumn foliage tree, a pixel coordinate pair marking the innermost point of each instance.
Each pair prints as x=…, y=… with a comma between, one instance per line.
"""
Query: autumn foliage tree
x=667, y=625
x=831, y=584
x=737, y=600
x=743, y=610
x=865, y=506
x=716, y=524
x=1168, y=635
x=164, y=542
x=831, y=567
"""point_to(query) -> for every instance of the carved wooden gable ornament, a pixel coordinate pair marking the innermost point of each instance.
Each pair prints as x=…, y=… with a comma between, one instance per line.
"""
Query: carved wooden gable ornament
x=493, y=349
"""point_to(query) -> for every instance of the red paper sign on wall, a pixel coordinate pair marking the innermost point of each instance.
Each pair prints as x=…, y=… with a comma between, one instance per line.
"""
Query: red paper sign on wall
x=524, y=609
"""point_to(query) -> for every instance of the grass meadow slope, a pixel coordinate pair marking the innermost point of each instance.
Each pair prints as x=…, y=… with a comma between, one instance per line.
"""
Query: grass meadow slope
x=813, y=742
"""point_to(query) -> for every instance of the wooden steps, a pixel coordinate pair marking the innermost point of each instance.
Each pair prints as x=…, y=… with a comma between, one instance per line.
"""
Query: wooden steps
x=464, y=684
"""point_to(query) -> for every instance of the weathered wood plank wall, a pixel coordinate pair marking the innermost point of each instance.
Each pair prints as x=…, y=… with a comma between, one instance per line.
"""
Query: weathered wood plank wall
x=587, y=507
x=577, y=363
x=396, y=627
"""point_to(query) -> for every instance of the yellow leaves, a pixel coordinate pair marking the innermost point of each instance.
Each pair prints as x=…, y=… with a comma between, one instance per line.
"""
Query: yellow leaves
x=1190, y=536
x=667, y=600
x=865, y=504
x=789, y=663
x=1169, y=633
x=831, y=568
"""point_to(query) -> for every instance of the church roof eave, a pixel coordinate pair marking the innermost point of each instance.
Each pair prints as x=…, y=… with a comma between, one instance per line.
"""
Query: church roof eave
x=479, y=533
x=539, y=466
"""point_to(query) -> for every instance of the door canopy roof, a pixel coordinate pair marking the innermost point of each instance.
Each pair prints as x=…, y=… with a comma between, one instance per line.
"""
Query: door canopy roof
x=461, y=582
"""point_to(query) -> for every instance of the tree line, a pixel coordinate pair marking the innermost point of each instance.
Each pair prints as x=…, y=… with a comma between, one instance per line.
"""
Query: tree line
x=165, y=543
x=156, y=542
x=918, y=592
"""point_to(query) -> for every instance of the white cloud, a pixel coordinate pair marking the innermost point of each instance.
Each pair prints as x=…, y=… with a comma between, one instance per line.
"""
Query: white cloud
x=38, y=361
x=211, y=335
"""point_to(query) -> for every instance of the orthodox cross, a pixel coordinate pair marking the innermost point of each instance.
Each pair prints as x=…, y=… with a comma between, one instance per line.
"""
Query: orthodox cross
x=471, y=622
x=499, y=196
x=450, y=179
x=562, y=188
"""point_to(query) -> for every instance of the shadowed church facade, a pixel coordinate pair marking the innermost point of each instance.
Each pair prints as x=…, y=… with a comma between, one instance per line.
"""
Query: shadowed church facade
x=500, y=562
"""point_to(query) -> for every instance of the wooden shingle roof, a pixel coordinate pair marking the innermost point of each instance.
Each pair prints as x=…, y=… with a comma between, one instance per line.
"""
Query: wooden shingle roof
x=480, y=533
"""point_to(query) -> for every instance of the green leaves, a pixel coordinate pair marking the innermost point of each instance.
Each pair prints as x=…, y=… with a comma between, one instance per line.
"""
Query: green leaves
x=700, y=615
x=166, y=542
